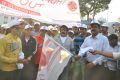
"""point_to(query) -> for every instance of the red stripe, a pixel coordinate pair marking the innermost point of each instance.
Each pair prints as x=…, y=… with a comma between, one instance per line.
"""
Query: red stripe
x=10, y=5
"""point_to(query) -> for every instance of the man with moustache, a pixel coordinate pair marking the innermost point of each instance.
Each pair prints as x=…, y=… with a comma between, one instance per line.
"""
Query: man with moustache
x=63, y=39
x=94, y=69
x=67, y=43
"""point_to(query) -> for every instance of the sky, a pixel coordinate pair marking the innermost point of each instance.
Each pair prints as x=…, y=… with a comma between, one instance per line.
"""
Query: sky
x=113, y=13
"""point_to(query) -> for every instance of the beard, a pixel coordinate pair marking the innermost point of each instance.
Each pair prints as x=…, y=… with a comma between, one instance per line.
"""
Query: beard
x=94, y=32
x=113, y=44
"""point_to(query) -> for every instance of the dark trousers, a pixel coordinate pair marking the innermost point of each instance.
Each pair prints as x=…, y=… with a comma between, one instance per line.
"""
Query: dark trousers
x=117, y=75
x=29, y=72
x=19, y=74
x=9, y=75
x=64, y=74
x=96, y=73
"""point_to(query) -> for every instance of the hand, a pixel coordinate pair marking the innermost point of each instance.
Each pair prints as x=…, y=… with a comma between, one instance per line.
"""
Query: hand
x=24, y=61
x=90, y=65
x=73, y=59
x=29, y=58
x=96, y=52
x=77, y=57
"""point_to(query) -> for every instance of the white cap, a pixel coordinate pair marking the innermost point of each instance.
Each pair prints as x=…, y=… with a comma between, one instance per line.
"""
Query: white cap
x=54, y=28
x=57, y=26
x=95, y=21
x=105, y=25
x=28, y=26
x=83, y=26
x=44, y=28
x=13, y=23
x=50, y=27
x=21, y=20
x=5, y=26
x=71, y=31
x=36, y=23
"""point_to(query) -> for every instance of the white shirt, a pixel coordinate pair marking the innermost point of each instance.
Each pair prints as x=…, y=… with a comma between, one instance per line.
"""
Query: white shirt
x=63, y=39
x=2, y=35
x=27, y=39
x=116, y=55
x=21, y=56
x=111, y=64
x=100, y=43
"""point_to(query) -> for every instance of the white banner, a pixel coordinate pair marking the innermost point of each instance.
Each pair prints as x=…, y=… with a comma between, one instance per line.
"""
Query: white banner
x=53, y=60
x=51, y=11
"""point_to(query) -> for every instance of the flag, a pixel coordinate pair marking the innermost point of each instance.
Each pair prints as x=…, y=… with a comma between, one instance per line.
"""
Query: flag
x=49, y=11
x=53, y=60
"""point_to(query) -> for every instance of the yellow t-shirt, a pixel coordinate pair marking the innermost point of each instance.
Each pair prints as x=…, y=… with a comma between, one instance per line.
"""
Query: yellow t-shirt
x=10, y=47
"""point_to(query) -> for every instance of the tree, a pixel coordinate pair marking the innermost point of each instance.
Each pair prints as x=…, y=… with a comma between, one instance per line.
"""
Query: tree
x=92, y=7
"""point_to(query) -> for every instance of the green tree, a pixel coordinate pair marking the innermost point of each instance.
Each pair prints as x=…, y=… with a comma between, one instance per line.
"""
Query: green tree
x=92, y=7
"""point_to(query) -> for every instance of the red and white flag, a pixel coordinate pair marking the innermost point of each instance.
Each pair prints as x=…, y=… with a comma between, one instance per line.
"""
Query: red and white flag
x=53, y=60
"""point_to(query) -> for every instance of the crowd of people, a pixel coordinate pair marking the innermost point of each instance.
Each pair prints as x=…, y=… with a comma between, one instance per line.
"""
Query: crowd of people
x=21, y=48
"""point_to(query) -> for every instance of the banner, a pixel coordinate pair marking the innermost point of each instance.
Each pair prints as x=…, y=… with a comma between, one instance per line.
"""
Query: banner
x=51, y=11
x=53, y=60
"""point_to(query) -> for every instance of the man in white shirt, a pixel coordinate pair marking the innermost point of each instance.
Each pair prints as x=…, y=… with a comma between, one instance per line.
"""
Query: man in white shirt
x=98, y=42
x=67, y=43
x=113, y=65
x=64, y=40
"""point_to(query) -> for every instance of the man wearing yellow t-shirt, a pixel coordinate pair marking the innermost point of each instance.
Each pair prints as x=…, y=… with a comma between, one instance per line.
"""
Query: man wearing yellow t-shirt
x=10, y=47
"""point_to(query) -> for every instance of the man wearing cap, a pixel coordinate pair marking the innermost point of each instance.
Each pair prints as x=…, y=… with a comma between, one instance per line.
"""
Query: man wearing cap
x=112, y=65
x=10, y=47
x=29, y=47
x=71, y=34
x=21, y=27
x=2, y=31
x=36, y=29
x=79, y=66
x=104, y=29
x=40, y=39
x=97, y=41
x=83, y=31
x=67, y=43
x=54, y=31
x=50, y=32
